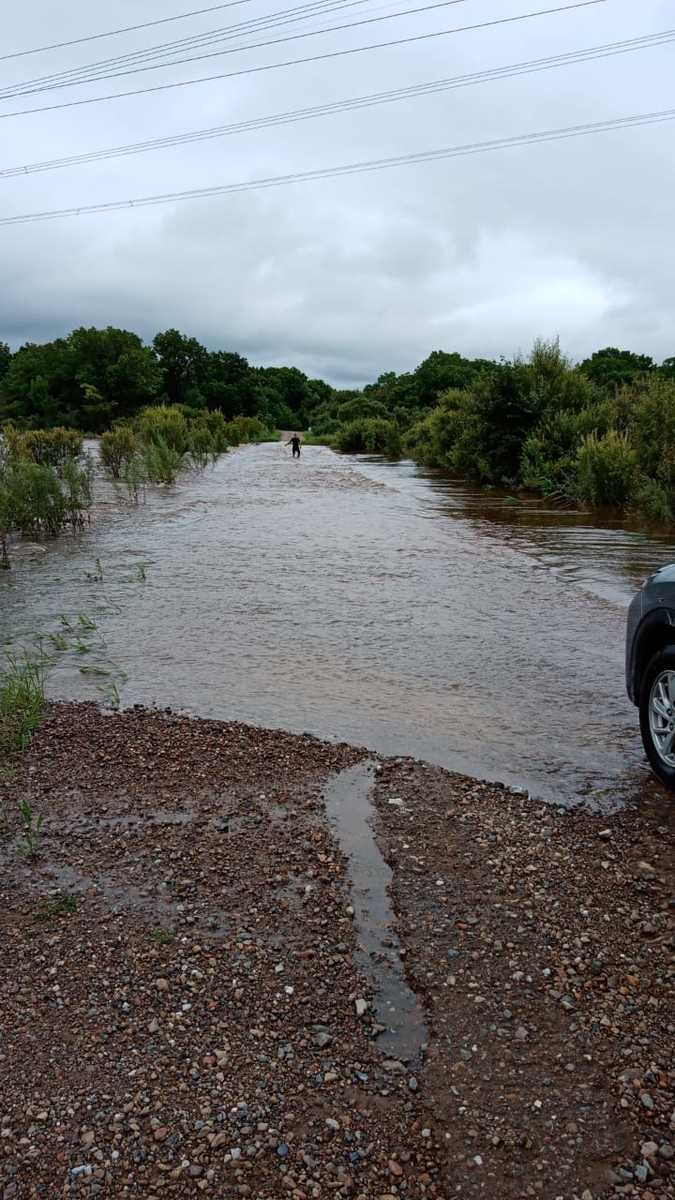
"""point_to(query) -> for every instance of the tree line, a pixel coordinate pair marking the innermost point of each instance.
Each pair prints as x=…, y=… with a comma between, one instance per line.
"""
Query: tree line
x=601, y=432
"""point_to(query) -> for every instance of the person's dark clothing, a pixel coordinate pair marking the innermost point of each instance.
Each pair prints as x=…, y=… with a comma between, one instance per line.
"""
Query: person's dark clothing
x=295, y=443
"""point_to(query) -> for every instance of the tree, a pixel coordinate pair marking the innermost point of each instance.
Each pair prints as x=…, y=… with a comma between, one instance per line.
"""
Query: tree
x=184, y=364
x=610, y=368
x=5, y=359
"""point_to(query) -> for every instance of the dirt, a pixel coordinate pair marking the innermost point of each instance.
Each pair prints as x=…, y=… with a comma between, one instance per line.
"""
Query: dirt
x=185, y=1007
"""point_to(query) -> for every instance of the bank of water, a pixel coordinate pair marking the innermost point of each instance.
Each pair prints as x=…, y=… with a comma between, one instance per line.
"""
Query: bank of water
x=361, y=600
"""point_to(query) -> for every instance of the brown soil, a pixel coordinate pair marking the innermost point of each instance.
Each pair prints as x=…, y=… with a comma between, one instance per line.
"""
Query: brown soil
x=179, y=980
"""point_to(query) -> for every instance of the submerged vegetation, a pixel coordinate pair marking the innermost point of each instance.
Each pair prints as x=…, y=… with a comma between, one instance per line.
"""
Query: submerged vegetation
x=599, y=433
x=22, y=700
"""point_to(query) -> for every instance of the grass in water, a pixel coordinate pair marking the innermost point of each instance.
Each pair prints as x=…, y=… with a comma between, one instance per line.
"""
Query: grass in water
x=22, y=699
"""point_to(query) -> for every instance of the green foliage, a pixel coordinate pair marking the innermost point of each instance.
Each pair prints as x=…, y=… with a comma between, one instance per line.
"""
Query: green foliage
x=60, y=905
x=370, y=435
x=161, y=461
x=605, y=470
x=118, y=447
x=22, y=699
x=31, y=828
x=611, y=368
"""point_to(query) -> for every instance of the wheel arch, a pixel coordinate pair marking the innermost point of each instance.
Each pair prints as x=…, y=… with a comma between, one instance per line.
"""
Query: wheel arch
x=656, y=631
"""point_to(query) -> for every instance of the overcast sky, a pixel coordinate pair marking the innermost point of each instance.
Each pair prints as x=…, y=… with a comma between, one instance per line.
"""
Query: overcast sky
x=349, y=277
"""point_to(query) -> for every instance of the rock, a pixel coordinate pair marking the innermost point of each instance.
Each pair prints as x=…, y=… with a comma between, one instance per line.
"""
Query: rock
x=321, y=1039
x=645, y=870
x=666, y=1150
x=161, y=1133
x=642, y=1173
x=605, y=834
x=394, y=1167
x=361, y=1007
x=426, y=1133
x=413, y=1084
x=521, y=1034
x=153, y=1027
x=332, y=1124
x=393, y=1067
x=162, y=985
x=646, y=1100
x=282, y=1150
x=87, y=1138
x=648, y=1149
x=586, y=1195
x=567, y=1002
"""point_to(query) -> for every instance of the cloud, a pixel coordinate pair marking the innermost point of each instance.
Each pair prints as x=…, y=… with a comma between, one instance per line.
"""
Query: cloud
x=349, y=277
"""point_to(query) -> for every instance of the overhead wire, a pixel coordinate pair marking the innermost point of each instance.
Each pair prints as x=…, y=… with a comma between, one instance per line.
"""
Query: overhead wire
x=355, y=168
x=95, y=37
x=327, y=55
x=25, y=90
x=211, y=37
x=430, y=87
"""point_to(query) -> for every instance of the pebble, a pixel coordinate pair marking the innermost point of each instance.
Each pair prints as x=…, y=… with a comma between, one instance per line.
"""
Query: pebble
x=646, y=1100
x=645, y=870
x=361, y=1007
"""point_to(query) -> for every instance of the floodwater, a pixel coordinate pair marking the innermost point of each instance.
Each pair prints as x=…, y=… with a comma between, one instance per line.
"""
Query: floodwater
x=397, y=1008
x=362, y=600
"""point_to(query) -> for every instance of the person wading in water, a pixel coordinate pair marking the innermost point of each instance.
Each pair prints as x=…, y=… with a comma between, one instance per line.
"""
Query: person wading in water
x=295, y=443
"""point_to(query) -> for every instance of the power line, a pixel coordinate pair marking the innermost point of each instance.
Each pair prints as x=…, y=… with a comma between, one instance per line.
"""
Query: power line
x=94, y=37
x=93, y=71
x=293, y=37
x=420, y=37
x=432, y=87
x=357, y=168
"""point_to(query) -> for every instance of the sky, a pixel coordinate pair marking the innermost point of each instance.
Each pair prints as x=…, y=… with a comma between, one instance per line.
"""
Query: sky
x=351, y=276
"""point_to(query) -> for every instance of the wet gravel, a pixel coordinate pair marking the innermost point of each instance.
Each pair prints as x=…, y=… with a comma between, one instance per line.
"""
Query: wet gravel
x=184, y=1010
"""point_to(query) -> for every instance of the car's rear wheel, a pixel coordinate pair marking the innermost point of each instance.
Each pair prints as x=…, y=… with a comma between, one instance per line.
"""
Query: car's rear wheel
x=657, y=715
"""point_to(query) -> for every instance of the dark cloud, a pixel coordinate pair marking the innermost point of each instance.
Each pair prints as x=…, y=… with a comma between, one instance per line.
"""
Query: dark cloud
x=349, y=277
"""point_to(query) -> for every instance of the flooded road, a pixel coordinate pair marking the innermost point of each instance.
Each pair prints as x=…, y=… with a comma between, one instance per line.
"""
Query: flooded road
x=361, y=600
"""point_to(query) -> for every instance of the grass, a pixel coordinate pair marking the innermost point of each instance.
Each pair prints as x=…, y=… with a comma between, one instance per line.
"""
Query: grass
x=31, y=828
x=22, y=699
x=60, y=905
x=162, y=936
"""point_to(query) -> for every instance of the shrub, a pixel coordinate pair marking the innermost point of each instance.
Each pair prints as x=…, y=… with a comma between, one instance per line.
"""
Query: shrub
x=605, y=470
x=369, y=435
x=162, y=462
x=118, y=447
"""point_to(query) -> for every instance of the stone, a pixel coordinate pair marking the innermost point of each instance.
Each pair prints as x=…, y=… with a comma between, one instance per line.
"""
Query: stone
x=161, y=1133
x=394, y=1167
x=393, y=1067
x=646, y=1100
x=87, y=1138
x=361, y=1007
x=645, y=870
x=642, y=1173
x=648, y=1149
x=332, y=1124
x=413, y=1084
x=666, y=1150
x=605, y=834
x=521, y=1034
x=162, y=985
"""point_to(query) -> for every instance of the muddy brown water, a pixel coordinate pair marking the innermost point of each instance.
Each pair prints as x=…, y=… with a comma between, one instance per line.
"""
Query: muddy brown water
x=396, y=1006
x=361, y=600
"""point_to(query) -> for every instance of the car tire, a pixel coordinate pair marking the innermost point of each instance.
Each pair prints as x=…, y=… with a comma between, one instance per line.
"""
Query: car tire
x=656, y=713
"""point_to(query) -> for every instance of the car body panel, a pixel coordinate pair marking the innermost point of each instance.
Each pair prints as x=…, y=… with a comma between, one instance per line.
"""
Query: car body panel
x=650, y=624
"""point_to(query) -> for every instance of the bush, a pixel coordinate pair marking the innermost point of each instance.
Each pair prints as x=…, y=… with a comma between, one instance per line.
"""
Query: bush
x=605, y=470
x=162, y=462
x=45, y=447
x=118, y=447
x=164, y=425
x=370, y=435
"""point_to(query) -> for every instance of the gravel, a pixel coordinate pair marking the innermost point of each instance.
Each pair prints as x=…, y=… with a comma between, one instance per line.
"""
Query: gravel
x=183, y=1013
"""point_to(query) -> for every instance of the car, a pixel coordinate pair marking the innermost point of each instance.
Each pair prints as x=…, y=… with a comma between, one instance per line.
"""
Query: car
x=650, y=669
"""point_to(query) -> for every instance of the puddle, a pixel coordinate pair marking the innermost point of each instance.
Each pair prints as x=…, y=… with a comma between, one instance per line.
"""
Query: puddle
x=396, y=1006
